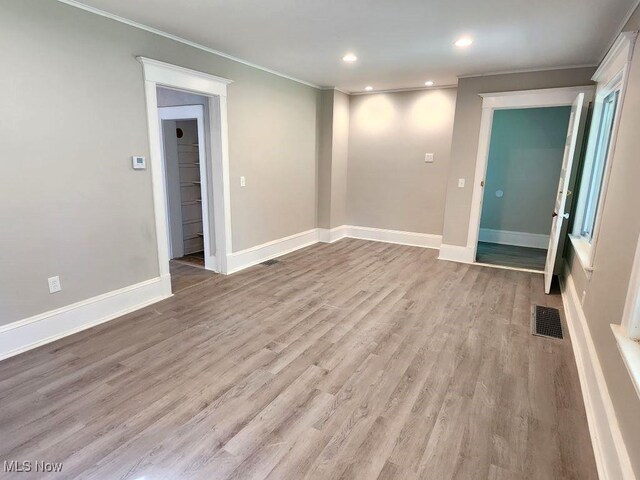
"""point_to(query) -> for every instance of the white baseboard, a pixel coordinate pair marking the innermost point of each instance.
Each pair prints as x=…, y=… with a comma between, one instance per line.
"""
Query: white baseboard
x=237, y=261
x=32, y=332
x=520, y=239
x=611, y=454
x=456, y=253
x=414, y=239
x=252, y=256
x=329, y=236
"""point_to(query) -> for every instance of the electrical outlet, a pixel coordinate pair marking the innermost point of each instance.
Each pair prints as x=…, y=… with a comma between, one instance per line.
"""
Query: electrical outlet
x=54, y=284
x=428, y=158
x=243, y=182
x=461, y=183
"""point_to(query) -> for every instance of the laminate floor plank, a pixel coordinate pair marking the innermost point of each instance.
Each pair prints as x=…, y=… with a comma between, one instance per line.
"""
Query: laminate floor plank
x=351, y=360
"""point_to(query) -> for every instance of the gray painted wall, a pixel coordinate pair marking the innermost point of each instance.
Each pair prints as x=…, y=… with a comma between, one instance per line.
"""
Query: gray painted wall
x=606, y=291
x=467, y=130
x=389, y=184
x=341, y=119
x=525, y=158
x=333, y=151
x=76, y=207
x=325, y=154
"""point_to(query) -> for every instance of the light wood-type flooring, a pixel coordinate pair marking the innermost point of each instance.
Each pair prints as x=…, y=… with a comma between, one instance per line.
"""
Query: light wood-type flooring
x=355, y=360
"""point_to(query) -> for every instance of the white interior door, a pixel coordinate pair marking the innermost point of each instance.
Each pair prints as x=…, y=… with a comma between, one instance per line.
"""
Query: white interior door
x=559, y=214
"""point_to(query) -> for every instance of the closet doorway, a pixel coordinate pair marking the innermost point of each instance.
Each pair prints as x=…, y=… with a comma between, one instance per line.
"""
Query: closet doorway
x=184, y=157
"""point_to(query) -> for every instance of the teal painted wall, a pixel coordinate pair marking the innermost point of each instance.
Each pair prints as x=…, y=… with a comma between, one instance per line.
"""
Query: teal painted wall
x=525, y=157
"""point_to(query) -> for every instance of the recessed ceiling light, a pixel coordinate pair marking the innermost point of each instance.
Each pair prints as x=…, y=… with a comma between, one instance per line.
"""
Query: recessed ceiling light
x=349, y=57
x=429, y=83
x=368, y=88
x=463, y=42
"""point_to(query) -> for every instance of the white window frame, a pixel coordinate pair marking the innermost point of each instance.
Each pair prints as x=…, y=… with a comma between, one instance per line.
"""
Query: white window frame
x=628, y=332
x=611, y=76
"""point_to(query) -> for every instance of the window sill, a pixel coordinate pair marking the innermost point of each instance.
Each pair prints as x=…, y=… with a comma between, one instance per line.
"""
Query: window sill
x=583, y=252
x=630, y=351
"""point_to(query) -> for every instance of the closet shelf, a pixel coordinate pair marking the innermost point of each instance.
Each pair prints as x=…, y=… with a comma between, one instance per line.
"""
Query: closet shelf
x=192, y=202
x=193, y=237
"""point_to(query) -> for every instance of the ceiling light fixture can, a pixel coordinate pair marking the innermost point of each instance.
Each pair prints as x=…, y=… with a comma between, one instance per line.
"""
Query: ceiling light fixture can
x=368, y=88
x=429, y=83
x=349, y=57
x=463, y=42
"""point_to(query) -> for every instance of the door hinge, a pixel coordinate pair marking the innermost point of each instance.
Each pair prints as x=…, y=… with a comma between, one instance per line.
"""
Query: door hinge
x=482, y=183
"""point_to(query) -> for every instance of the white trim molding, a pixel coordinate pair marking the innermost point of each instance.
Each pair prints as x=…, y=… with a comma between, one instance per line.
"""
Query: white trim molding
x=176, y=38
x=612, y=75
x=631, y=313
x=520, y=239
x=548, y=97
x=414, y=239
x=215, y=88
x=457, y=253
x=248, y=257
x=326, y=235
x=32, y=332
x=260, y=253
x=612, y=458
x=630, y=351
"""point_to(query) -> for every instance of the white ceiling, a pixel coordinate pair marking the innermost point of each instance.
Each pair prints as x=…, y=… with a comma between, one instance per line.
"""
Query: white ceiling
x=399, y=43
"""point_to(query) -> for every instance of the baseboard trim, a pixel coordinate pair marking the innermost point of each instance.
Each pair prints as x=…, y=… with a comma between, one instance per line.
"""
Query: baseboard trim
x=611, y=454
x=520, y=239
x=47, y=327
x=326, y=235
x=456, y=253
x=261, y=253
x=414, y=239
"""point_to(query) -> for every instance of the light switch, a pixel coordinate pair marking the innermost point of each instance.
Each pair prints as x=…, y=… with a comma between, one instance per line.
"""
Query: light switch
x=54, y=284
x=243, y=182
x=428, y=158
x=461, y=183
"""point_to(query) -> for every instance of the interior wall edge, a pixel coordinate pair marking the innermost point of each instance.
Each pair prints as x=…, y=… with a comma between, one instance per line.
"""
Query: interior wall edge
x=612, y=457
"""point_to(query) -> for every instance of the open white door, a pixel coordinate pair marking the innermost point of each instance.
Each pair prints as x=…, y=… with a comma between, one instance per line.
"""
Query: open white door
x=559, y=215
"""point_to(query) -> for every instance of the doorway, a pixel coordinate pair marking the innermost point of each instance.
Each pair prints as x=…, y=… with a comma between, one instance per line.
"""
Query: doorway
x=185, y=155
x=523, y=169
x=578, y=99
x=216, y=173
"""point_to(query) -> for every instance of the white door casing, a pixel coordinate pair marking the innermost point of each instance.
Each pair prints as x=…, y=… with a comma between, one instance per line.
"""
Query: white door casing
x=156, y=74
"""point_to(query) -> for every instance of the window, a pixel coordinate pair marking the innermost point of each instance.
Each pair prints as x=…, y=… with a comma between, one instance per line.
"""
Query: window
x=610, y=78
x=591, y=184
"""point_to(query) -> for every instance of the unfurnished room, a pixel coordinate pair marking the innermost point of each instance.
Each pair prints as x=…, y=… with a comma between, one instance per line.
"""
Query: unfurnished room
x=319, y=240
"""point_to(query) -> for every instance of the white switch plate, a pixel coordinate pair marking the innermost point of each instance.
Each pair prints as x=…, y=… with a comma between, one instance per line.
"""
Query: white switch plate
x=54, y=284
x=138, y=163
x=461, y=183
x=243, y=182
x=428, y=157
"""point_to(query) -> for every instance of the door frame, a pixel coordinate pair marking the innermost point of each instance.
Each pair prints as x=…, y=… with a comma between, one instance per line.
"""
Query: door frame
x=190, y=112
x=163, y=74
x=548, y=97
